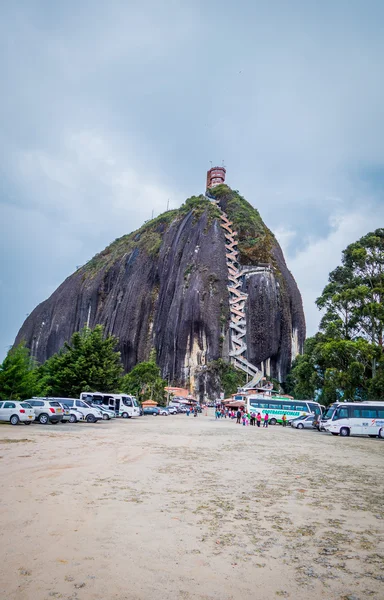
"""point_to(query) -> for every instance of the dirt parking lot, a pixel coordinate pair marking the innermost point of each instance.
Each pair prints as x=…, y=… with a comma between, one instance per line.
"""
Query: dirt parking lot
x=194, y=509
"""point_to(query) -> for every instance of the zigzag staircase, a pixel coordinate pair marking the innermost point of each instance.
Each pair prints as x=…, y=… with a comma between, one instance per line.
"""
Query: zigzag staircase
x=237, y=301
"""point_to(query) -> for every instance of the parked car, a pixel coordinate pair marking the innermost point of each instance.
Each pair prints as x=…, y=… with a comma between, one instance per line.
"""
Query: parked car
x=107, y=413
x=172, y=410
x=15, y=412
x=151, y=410
x=47, y=410
x=71, y=415
x=303, y=422
x=163, y=411
x=90, y=414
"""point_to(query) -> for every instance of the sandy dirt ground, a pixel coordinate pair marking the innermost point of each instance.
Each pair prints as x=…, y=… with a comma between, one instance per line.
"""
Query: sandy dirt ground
x=189, y=508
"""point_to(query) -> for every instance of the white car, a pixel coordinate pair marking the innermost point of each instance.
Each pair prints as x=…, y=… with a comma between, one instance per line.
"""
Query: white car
x=304, y=422
x=91, y=415
x=107, y=413
x=71, y=415
x=14, y=412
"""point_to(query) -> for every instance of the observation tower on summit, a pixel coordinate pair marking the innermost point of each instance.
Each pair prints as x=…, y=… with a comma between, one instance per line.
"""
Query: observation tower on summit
x=215, y=176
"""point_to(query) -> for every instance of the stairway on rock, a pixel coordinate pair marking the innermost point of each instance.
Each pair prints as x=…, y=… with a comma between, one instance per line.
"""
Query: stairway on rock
x=237, y=302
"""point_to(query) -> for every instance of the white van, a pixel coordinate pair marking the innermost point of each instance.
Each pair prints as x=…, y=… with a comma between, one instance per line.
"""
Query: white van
x=355, y=418
x=124, y=405
x=91, y=415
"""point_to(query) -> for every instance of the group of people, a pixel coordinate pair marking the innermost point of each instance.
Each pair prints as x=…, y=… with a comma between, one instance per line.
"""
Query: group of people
x=241, y=416
x=245, y=418
x=251, y=418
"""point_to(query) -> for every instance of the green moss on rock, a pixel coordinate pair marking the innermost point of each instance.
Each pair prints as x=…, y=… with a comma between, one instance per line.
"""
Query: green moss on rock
x=149, y=237
x=256, y=241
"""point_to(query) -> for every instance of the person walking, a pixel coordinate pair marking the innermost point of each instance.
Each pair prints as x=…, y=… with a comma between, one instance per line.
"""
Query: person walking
x=238, y=416
x=187, y=412
x=244, y=418
x=266, y=419
x=253, y=418
x=284, y=419
x=258, y=419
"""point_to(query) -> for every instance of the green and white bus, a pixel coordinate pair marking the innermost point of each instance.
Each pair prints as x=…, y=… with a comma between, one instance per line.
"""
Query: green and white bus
x=277, y=406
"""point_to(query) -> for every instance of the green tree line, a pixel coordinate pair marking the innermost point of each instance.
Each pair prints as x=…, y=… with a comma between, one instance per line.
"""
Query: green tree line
x=345, y=359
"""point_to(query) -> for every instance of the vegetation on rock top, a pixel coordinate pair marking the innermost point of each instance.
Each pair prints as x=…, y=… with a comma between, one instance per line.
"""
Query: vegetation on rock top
x=256, y=241
x=148, y=238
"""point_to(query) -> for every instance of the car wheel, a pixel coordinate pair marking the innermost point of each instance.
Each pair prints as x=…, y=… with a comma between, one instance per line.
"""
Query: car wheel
x=105, y=417
x=125, y=415
x=344, y=432
x=91, y=419
x=300, y=426
x=14, y=420
x=272, y=422
x=381, y=434
x=154, y=414
x=72, y=419
x=27, y=422
x=43, y=419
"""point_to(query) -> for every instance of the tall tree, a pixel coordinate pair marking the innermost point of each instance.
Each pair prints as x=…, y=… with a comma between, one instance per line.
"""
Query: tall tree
x=89, y=362
x=345, y=360
x=18, y=374
x=144, y=381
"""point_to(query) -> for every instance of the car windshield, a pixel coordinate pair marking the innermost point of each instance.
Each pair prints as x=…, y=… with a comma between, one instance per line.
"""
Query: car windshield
x=329, y=413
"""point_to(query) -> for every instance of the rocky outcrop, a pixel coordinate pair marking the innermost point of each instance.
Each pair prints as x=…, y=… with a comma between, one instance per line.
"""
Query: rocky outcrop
x=165, y=286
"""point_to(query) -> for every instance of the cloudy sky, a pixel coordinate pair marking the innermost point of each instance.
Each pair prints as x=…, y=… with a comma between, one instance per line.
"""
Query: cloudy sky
x=110, y=109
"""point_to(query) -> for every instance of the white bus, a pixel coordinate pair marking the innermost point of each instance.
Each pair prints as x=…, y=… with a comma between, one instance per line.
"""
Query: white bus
x=355, y=418
x=124, y=405
x=277, y=406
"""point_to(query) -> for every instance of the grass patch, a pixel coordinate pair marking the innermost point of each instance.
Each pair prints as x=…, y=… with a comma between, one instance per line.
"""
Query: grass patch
x=9, y=441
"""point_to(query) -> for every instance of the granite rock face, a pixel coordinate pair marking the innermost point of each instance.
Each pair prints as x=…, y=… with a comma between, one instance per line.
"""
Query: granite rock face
x=165, y=286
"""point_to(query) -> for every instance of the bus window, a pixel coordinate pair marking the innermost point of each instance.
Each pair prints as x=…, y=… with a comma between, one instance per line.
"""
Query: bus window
x=340, y=413
x=315, y=408
x=356, y=413
x=127, y=401
x=380, y=413
x=368, y=413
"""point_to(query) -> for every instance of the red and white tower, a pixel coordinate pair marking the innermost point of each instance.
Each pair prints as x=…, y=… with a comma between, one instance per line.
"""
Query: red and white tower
x=215, y=176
